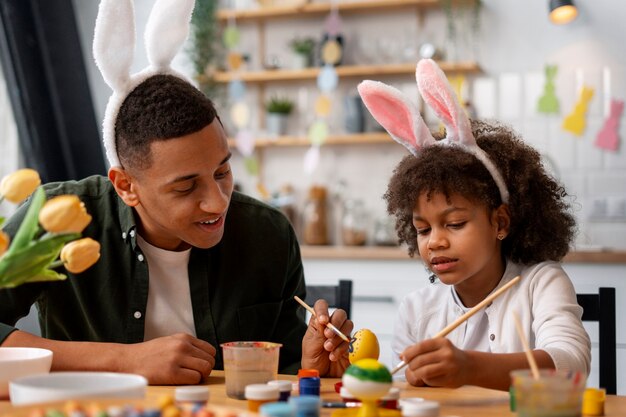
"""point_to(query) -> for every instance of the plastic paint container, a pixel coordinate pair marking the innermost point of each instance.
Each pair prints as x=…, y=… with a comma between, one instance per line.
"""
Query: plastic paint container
x=279, y=409
x=307, y=373
x=192, y=397
x=418, y=407
x=390, y=400
x=312, y=382
x=258, y=394
x=284, y=387
x=309, y=385
x=593, y=401
x=306, y=405
x=338, y=386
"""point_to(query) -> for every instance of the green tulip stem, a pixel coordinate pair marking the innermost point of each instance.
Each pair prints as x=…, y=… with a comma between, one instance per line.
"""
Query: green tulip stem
x=56, y=264
x=43, y=234
x=1, y=198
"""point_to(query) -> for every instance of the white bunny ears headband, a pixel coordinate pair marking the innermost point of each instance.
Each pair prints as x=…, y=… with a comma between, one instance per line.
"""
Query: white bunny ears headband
x=401, y=118
x=114, y=47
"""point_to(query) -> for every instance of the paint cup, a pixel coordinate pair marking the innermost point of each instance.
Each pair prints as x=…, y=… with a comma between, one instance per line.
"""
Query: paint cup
x=554, y=394
x=248, y=363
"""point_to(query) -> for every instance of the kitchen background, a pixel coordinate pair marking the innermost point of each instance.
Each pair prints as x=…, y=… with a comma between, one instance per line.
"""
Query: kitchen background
x=511, y=42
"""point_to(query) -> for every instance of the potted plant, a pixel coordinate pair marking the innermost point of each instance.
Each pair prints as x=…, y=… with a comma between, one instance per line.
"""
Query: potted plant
x=303, y=49
x=278, y=108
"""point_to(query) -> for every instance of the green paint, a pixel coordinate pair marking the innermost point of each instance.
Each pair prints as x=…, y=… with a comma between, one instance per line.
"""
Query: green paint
x=369, y=374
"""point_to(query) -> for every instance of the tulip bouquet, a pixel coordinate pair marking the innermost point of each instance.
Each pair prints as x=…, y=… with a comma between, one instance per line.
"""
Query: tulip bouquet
x=48, y=236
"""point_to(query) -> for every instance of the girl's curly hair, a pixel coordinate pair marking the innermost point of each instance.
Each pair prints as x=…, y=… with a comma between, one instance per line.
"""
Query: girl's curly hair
x=541, y=226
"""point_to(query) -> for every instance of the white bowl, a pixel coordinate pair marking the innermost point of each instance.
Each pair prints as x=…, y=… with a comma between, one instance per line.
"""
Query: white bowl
x=62, y=386
x=19, y=362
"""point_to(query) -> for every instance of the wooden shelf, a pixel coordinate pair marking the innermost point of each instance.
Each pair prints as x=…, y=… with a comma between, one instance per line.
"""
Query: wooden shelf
x=355, y=252
x=347, y=139
x=400, y=253
x=373, y=71
x=314, y=9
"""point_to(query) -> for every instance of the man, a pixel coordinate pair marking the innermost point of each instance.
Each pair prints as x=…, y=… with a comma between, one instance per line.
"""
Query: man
x=186, y=263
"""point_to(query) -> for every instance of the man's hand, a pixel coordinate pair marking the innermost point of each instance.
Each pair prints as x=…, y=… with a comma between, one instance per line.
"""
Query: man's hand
x=176, y=359
x=323, y=349
x=171, y=360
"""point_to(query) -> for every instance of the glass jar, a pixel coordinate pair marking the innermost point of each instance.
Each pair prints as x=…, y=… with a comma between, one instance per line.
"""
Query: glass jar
x=315, y=226
x=385, y=233
x=354, y=223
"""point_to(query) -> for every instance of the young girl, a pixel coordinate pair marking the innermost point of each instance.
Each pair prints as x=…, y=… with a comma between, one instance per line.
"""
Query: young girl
x=479, y=209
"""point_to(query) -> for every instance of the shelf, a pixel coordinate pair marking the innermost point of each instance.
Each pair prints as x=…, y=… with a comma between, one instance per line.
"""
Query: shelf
x=347, y=139
x=376, y=253
x=373, y=71
x=400, y=253
x=314, y=9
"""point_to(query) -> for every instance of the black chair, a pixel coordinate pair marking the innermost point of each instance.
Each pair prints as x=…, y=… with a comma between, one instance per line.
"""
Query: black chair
x=600, y=307
x=337, y=296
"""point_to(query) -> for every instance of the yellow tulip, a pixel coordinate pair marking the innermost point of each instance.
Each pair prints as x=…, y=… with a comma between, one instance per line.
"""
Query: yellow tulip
x=17, y=186
x=4, y=242
x=80, y=254
x=64, y=214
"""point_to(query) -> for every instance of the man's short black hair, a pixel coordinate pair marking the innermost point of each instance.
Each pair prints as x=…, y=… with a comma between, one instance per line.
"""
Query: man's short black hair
x=160, y=108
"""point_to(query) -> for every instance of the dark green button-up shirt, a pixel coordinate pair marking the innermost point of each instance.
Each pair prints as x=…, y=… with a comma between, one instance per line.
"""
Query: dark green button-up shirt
x=241, y=289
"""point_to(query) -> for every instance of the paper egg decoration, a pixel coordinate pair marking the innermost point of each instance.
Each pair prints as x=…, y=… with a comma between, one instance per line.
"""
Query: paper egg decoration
x=331, y=52
x=318, y=132
x=322, y=106
x=363, y=345
x=240, y=114
x=367, y=379
x=231, y=37
x=327, y=79
x=236, y=90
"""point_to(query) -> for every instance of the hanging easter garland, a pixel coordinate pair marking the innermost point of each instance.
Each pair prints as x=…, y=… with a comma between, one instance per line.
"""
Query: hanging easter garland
x=548, y=103
x=331, y=52
x=239, y=110
x=608, y=138
x=576, y=121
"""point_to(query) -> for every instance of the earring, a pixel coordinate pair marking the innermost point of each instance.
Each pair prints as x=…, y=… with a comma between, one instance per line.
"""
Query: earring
x=500, y=236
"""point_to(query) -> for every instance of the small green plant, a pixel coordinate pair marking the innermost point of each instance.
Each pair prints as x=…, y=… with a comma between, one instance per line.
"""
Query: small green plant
x=302, y=46
x=280, y=105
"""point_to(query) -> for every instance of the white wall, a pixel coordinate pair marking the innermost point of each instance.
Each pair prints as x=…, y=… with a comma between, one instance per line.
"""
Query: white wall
x=515, y=41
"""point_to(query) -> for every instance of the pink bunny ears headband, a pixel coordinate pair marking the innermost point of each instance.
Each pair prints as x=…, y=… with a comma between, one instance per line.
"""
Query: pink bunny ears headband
x=402, y=120
x=114, y=45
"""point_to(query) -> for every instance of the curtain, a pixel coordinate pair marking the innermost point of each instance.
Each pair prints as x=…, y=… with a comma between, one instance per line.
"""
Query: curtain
x=9, y=150
x=48, y=89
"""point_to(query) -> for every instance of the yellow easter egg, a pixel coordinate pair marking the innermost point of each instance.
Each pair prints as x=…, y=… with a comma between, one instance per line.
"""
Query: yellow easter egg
x=363, y=345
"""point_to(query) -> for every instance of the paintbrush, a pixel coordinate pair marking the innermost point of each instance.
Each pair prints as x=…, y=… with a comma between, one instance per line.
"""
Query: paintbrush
x=529, y=354
x=329, y=324
x=467, y=315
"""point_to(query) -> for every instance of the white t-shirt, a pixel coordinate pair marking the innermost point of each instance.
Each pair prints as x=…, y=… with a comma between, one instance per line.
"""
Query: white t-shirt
x=169, y=308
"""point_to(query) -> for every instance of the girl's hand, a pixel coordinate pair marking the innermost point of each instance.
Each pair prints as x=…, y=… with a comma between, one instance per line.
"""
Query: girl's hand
x=436, y=362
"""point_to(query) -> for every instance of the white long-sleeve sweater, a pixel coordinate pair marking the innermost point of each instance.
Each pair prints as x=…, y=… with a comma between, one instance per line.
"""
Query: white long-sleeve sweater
x=544, y=300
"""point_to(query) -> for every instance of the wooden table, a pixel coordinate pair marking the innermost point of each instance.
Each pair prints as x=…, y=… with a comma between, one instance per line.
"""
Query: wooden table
x=464, y=402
